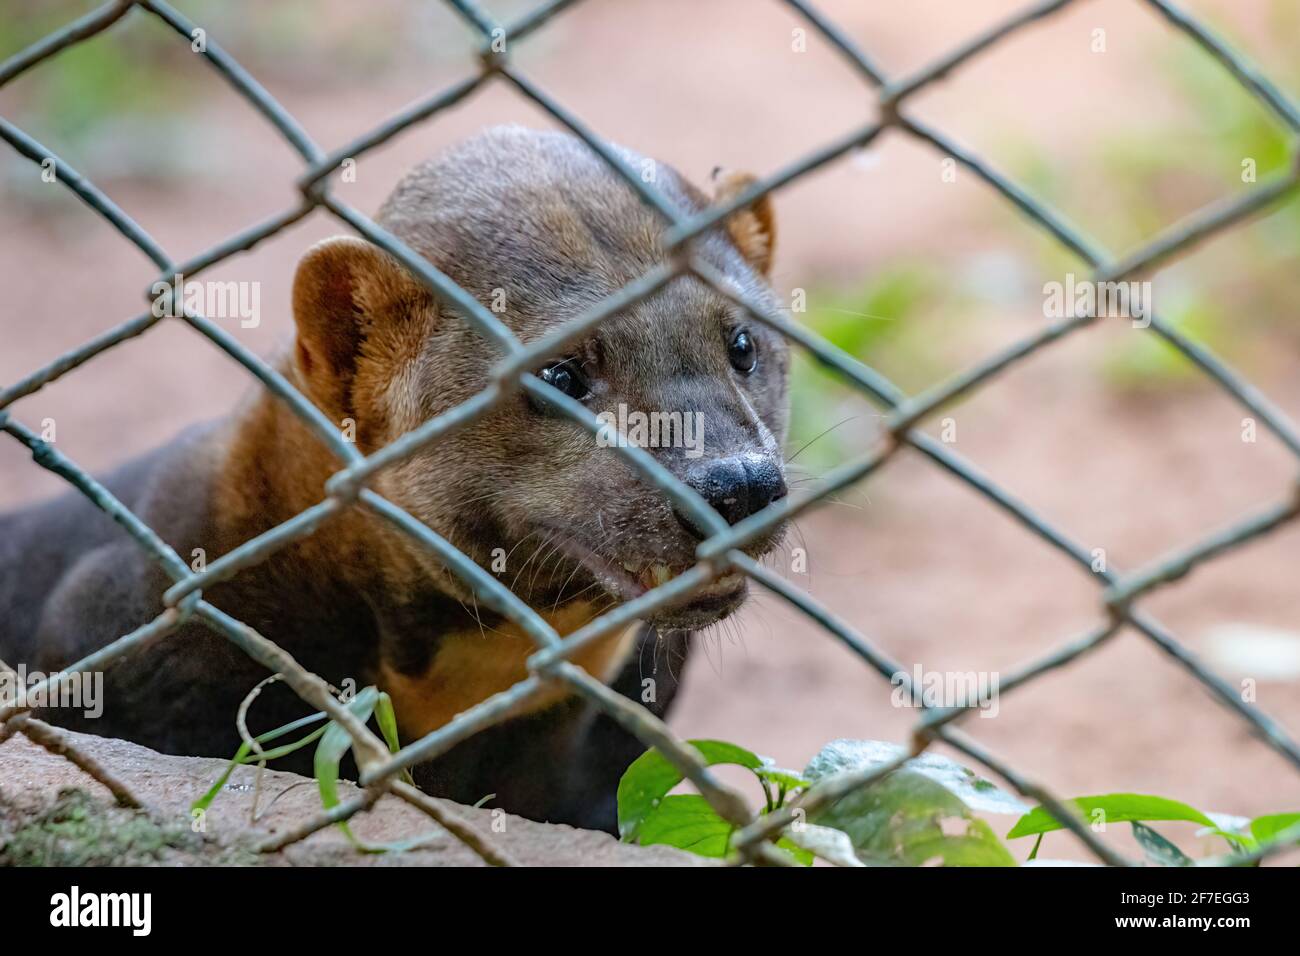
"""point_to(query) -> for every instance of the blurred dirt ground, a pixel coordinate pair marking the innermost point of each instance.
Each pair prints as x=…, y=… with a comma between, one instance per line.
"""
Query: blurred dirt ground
x=923, y=566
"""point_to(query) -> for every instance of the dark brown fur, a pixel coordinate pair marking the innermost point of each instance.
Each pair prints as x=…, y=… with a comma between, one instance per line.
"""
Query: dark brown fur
x=537, y=216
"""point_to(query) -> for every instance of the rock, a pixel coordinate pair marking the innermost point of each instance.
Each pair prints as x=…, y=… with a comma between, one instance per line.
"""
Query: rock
x=53, y=813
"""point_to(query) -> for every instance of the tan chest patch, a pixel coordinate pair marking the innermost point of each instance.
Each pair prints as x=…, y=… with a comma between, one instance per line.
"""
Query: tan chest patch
x=472, y=665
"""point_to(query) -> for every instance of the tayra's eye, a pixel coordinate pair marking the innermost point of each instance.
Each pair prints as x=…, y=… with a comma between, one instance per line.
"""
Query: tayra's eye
x=566, y=376
x=743, y=354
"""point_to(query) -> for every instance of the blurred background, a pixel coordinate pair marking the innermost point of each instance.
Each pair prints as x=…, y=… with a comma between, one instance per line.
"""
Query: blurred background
x=1108, y=434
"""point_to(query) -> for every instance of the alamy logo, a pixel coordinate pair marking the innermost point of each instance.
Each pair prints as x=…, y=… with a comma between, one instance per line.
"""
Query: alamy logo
x=212, y=300
x=1083, y=297
x=652, y=430
x=924, y=688
x=75, y=690
x=75, y=908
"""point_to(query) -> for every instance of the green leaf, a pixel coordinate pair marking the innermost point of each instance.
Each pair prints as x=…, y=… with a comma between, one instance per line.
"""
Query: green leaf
x=1266, y=828
x=1115, y=808
x=245, y=754
x=334, y=743
x=647, y=781
x=386, y=717
x=787, y=780
x=387, y=721
x=841, y=756
x=686, y=821
x=801, y=856
x=909, y=819
x=1157, y=849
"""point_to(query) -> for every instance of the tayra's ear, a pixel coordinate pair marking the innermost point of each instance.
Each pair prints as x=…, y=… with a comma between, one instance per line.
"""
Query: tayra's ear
x=348, y=297
x=750, y=228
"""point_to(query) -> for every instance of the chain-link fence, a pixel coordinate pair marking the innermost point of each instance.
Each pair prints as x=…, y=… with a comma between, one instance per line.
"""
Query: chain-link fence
x=719, y=553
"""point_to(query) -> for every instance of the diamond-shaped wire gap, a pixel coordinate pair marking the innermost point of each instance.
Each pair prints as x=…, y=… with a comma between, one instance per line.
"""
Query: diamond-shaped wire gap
x=62, y=172
x=471, y=77
x=1245, y=72
x=67, y=180
x=238, y=79
x=1068, y=814
x=232, y=80
x=1056, y=410
x=98, y=201
x=899, y=674
x=68, y=35
x=1237, y=613
x=726, y=131
x=995, y=36
x=1123, y=203
x=140, y=141
x=94, y=197
x=1269, y=730
x=1244, y=393
x=1219, y=568
x=1136, y=687
x=133, y=383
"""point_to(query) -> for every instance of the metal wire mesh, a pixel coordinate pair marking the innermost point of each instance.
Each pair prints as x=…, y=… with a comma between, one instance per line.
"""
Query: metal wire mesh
x=718, y=554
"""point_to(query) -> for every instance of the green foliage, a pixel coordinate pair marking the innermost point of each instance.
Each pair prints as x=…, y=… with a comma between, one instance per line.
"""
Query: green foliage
x=907, y=819
x=978, y=793
x=1267, y=828
x=1111, y=808
x=686, y=821
x=332, y=744
x=921, y=813
x=912, y=816
x=648, y=814
x=1139, y=809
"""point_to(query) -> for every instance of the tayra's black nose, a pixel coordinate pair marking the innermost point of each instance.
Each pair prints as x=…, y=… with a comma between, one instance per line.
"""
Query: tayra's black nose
x=736, y=487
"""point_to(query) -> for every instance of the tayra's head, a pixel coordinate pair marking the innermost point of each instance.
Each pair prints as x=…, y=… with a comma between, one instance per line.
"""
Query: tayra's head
x=537, y=228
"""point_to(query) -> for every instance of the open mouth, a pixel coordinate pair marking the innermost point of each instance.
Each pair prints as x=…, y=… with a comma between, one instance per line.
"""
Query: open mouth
x=630, y=580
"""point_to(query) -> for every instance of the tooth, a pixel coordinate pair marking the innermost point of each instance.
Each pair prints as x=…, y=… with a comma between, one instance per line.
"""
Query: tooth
x=629, y=566
x=661, y=573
